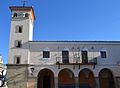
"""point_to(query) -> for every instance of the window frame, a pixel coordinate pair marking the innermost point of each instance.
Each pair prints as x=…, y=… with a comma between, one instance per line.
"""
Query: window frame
x=18, y=43
x=17, y=59
x=87, y=57
x=46, y=54
x=65, y=56
x=103, y=54
x=19, y=29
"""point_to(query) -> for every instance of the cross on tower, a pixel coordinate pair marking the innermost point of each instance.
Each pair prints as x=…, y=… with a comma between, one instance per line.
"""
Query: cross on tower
x=24, y=2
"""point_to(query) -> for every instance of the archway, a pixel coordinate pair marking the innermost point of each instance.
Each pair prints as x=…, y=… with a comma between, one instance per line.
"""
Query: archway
x=46, y=79
x=86, y=79
x=106, y=79
x=66, y=79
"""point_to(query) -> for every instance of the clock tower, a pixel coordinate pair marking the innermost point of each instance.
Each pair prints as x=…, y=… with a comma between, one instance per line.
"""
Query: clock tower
x=21, y=32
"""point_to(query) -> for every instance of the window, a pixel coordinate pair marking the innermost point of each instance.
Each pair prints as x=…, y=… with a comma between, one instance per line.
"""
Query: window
x=18, y=43
x=103, y=54
x=19, y=29
x=84, y=56
x=65, y=56
x=46, y=54
x=17, y=59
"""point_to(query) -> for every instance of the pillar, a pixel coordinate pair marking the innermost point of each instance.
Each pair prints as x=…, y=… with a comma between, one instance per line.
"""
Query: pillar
x=76, y=82
x=117, y=82
x=56, y=82
x=97, y=82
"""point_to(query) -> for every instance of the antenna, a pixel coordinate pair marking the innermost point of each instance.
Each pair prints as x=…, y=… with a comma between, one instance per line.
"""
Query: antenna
x=24, y=2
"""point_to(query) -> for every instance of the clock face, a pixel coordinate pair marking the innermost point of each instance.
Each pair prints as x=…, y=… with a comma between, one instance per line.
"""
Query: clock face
x=20, y=14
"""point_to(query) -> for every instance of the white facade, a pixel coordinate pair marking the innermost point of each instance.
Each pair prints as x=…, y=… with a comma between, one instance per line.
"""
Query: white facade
x=31, y=53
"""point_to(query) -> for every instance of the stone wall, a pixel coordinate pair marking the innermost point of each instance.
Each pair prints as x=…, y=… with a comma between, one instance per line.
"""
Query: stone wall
x=17, y=76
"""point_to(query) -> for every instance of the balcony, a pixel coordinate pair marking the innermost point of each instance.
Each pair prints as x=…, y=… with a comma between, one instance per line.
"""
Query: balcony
x=76, y=61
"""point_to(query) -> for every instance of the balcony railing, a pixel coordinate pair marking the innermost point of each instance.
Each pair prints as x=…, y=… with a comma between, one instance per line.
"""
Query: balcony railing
x=76, y=60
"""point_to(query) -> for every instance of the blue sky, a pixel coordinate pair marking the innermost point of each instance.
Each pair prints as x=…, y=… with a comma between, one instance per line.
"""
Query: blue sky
x=65, y=20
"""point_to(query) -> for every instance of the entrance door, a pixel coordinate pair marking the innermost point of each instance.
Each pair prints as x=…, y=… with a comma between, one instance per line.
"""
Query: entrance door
x=46, y=82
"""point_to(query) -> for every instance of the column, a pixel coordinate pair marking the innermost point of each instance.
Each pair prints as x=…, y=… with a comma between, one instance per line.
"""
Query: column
x=76, y=82
x=56, y=82
x=117, y=82
x=97, y=82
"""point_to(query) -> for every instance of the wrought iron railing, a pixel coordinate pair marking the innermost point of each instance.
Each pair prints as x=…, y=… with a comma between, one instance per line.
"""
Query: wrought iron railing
x=76, y=60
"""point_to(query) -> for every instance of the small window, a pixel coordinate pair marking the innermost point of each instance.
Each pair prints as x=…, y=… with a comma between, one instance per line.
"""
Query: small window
x=103, y=54
x=17, y=59
x=18, y=43
x=19, y=29
x=46, y=54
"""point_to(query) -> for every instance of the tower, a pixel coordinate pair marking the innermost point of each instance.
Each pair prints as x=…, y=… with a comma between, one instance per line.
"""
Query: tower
x=21, y=31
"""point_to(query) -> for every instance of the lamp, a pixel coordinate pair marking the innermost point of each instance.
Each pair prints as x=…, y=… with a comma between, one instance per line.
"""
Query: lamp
x=32, y=70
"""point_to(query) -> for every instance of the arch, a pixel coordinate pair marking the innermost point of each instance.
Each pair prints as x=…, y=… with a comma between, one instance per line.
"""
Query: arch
x=84, y=49
x=45, y=79
x=26, y=14
x=65, y=49
x=66, y=79
x=46, y=49
x=15, y=15
x=106, y=79
x=86, y=78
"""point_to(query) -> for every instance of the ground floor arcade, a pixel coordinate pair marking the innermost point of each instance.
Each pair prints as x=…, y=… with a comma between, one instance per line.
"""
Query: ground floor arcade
x=85, y=78
x=66, y=79
x=65, y=76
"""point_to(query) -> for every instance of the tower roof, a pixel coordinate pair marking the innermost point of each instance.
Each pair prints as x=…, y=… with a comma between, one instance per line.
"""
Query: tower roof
x=23, y=8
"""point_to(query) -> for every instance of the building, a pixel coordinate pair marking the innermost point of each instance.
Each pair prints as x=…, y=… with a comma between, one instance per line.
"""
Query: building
x=58, y=64
x=3, y=70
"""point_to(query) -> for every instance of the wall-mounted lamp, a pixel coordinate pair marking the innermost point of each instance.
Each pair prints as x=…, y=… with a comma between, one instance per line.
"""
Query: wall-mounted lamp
x=32, y=70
